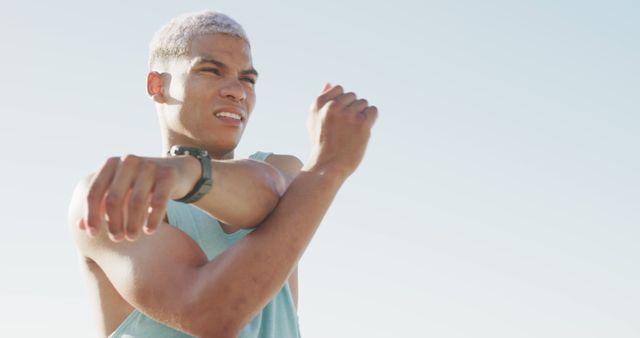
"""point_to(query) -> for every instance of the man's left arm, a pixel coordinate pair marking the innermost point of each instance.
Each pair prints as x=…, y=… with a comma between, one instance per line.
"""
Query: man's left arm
x=289, y=166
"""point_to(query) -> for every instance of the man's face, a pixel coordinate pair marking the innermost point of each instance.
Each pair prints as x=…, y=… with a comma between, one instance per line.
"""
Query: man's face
x=211, y=94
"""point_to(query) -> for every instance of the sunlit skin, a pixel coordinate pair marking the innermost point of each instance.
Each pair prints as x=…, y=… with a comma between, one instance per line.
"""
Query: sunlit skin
x=144, y=271
x=218, y=75
x=188, y=92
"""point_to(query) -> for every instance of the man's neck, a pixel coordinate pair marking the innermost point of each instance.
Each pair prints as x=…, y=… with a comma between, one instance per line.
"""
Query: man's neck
x=213, y=153
x=227, y=156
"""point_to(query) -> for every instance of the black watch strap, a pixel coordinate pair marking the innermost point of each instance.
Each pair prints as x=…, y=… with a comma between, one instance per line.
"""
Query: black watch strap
x=204, y=183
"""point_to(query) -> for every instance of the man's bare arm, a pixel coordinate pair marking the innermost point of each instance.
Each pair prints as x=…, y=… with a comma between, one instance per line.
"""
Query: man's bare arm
x=290, y=167
x=244, y=192
x=168, y=277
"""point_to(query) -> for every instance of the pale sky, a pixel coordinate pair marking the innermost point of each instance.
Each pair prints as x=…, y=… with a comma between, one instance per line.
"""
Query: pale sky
x=499, y=196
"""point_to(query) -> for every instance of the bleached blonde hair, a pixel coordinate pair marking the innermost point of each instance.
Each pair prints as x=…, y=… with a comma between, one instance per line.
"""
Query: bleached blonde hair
x=174, y=39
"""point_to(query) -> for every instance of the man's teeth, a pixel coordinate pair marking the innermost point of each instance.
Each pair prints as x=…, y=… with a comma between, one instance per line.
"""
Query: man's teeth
x=227, y=114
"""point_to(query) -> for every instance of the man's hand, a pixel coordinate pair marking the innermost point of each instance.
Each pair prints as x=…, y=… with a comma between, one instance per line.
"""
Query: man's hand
x=340, y=126
x=132, y=193
x=147, y=278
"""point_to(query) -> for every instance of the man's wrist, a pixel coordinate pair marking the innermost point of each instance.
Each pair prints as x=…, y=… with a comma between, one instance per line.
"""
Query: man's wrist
x=333, y=176
x=189, y=172
x=328, y=171
x=203, y=184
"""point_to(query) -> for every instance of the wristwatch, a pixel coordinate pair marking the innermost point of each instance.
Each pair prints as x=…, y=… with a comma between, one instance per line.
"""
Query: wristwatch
x=204, y=183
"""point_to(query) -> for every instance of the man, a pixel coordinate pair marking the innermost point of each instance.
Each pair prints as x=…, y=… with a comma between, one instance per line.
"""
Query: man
x=222, y=264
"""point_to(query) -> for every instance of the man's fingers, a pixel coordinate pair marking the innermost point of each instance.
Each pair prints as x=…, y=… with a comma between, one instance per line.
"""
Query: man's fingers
x=156, y=215
x=359, y=106
x=163, y=188
x=327, y=96
x=371, y=115
x=326, y=87
x=138, y=201
x=99, y=184
x=117, y=194
x=346, y=99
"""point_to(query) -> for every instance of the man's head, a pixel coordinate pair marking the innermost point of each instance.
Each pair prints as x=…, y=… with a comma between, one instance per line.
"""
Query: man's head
x=173, y=40
x=202, y=79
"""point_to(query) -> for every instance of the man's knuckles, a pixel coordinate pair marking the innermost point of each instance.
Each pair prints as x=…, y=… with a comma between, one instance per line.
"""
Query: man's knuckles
x=347, y=98
x=334, y=92
x=111, y=162
x=334, y=107
x=372, y=115
x=331, y=94
x=131, y=160
x=165, y=171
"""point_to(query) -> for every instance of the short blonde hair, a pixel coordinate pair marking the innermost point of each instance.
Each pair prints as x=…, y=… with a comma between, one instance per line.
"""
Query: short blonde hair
x=174, y=39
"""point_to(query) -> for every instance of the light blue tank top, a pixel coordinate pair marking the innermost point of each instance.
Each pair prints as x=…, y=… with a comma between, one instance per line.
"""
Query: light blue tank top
x=278, y=319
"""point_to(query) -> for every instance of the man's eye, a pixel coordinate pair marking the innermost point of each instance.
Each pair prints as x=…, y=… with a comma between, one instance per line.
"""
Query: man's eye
x=248, y=79
x=211, y=70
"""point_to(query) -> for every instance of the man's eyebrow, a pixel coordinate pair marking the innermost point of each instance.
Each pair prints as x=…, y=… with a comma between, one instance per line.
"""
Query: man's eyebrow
x=222, y=65
x=250, y=71
x=215, y=62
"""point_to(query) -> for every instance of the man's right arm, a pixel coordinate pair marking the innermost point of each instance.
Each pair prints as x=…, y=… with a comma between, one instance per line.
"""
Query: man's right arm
x=168, y=277
x=125, y=189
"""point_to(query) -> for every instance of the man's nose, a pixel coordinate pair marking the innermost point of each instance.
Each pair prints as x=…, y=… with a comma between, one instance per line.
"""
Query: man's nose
x=233, y=90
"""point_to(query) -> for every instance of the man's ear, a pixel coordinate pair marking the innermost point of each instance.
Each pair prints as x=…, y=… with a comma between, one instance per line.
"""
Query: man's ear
x=155, y=84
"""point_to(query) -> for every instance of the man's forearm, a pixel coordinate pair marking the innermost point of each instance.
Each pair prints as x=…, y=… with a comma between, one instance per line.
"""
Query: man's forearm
x=248, y=274
x=219, y=296
x=260, y=262
x=243, y=193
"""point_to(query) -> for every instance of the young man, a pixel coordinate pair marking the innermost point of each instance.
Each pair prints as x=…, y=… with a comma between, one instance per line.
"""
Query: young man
x=223, y=263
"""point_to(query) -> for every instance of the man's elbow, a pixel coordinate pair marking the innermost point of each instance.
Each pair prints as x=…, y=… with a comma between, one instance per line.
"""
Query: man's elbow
x=203, y=325
x=268, y=185
x=187, y=306
x=275, y=183
x=288, y=167
x=272, y=186
x=204, y=319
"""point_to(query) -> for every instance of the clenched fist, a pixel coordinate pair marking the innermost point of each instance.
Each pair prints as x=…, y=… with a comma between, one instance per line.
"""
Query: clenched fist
x=339, y=125
x=131, y=193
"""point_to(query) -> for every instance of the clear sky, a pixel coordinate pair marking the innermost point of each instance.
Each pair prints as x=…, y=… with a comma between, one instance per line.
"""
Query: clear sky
x=499, y=196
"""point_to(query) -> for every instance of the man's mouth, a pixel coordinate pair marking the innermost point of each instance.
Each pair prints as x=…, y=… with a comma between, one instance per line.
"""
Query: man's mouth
x=229, y=115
